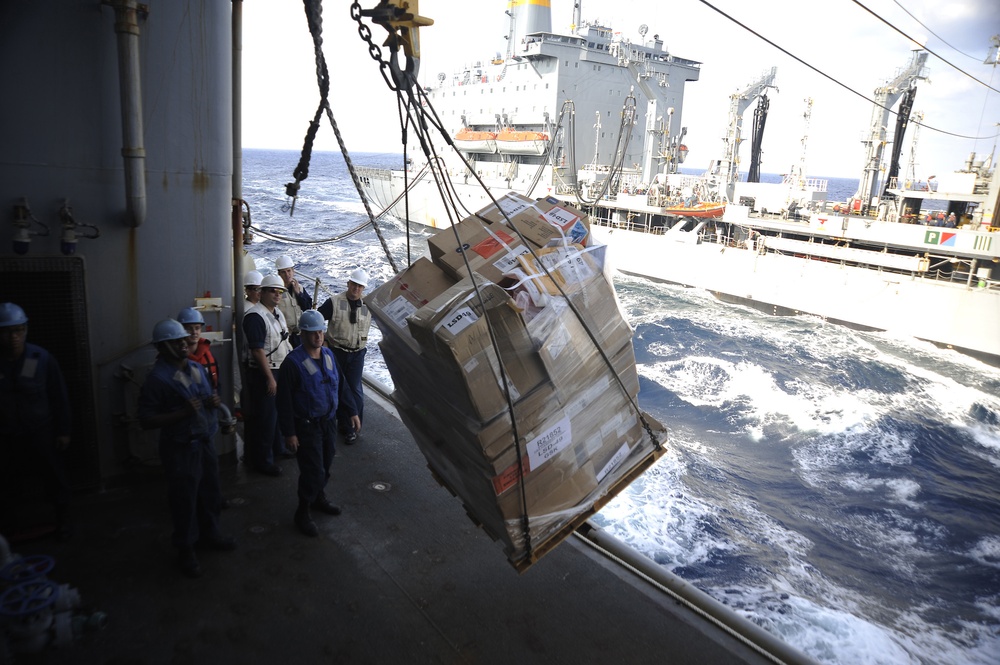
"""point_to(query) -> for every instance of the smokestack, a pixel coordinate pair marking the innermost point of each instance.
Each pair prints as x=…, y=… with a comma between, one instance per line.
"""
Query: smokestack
x=530, y=16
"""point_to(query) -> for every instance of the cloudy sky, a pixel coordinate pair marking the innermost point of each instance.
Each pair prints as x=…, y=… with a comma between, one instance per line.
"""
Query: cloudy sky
x=840, y=38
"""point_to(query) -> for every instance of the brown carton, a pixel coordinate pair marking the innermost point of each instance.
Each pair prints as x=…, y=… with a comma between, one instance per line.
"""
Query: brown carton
x=490, y=249
x=454, y=330
x=402, y=295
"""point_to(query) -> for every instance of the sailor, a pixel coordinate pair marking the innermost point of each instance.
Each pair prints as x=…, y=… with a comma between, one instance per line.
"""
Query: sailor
x=951, y=222
x=294, y=300
x=347, y=336
x=199, y=348
x=35, y=421
x=251, y=286
x=178, y=399
x=267, y=341
x=308, y=387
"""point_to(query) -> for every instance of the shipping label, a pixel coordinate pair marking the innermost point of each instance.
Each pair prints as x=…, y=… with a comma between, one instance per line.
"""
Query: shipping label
x=512, y=205
x=550, y=442
x=509, y=261
x=399, y=310
x=457, y=320
x=615, y=460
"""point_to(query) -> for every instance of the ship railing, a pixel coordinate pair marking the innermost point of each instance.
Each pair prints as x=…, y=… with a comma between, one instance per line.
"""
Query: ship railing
x=805, y=184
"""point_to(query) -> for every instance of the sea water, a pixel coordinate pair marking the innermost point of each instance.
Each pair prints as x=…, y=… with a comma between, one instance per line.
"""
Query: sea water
x=839, y=488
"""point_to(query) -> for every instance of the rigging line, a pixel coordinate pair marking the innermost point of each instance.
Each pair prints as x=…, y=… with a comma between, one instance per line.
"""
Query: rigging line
x=307, y=241
x=953, y=66
x=924, y=26
x=827, y=76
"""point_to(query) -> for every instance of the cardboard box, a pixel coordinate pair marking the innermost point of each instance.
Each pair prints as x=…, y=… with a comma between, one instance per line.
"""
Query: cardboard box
x=490, y=249
x=454, y=331
x=541, y=222
x=402, y=295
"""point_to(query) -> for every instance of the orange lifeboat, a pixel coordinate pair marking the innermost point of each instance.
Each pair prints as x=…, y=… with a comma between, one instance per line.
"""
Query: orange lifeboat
x=703, y=210
x=513, y=142
x=471, y=140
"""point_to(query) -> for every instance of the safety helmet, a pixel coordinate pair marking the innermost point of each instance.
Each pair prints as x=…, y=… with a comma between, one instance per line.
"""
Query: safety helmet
x=283, y=262
x=167, y=330
x=190, y=315
x=252, y=278
x=272, y=282
x=311, y=321
x=359, y=276
x=11, y=315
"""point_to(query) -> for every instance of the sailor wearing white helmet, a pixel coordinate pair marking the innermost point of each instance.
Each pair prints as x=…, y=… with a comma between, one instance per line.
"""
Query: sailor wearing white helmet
x=251, y=286
x=266, y=337
x=294, y=300
x=177, y=398
x=347, y=336
x=310, y=390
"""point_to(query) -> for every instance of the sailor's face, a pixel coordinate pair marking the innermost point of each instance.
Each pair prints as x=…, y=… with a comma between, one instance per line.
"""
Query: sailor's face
x=194, y=332
x=176, y=349
x=271, y=296
x=286, y=275
x=12, y=340
x=311, y=339
x=354, y=290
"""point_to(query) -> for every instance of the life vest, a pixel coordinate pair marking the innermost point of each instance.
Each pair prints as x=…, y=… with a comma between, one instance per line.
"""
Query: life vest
x=202, y=354
x=341, y=333
x=320, y=383
x=276, y=345
x=289, y=307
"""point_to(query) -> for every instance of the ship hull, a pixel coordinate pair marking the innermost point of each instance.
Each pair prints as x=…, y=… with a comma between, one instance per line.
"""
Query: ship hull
x=957, y=315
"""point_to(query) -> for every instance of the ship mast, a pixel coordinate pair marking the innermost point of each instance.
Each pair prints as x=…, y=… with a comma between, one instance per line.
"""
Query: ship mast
x=885, y=98
x=911, y=167
x=728, y=167
x=798, y=173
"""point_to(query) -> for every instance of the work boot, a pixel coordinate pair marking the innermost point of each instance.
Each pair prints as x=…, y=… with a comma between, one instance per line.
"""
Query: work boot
x=188, y=564
x=323, y=505
x=304, y=521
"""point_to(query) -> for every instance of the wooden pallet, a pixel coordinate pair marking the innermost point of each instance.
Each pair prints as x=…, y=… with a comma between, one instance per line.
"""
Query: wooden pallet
x=541, y=549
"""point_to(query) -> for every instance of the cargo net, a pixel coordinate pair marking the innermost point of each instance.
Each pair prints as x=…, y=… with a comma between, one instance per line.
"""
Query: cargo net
x=514, y=370
x=512, y=361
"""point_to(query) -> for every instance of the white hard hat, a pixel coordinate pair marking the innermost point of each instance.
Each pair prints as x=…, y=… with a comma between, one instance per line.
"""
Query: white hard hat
x=252, y=278
x=359, y=276
x=273, y=282
x=283, y=262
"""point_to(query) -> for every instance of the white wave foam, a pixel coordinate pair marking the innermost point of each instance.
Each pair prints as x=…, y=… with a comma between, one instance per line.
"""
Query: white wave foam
x=987, y=552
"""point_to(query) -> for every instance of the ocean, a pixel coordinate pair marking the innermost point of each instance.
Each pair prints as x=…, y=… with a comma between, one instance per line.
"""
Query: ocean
x=839, y=488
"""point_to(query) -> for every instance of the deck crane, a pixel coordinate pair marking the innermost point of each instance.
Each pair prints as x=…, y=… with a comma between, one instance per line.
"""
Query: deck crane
x=727, y=169
x=886, y=97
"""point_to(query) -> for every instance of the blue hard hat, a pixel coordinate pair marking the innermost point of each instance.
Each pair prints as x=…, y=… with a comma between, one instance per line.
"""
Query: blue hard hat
x=311, y=321
x=11, y=315
x=190, y=315
x=167, y=330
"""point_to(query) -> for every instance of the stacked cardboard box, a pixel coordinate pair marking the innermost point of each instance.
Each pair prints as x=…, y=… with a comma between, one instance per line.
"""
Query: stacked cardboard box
x=514, y=370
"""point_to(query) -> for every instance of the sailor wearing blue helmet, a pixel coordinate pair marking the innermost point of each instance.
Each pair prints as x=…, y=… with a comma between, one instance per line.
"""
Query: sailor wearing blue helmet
x=310, y=389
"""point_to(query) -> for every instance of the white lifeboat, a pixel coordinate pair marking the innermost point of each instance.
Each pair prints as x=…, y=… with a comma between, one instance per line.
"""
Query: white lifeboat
x=513, y=142
x=470, y=140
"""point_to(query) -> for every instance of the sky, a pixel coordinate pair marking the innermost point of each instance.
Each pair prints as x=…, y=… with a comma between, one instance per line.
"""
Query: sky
x=837, y=37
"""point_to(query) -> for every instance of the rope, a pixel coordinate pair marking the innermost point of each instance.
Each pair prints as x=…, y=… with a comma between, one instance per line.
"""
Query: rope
x=314, y=17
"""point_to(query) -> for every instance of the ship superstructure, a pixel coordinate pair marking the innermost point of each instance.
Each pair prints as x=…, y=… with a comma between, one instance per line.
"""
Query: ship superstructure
x=573, y=113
